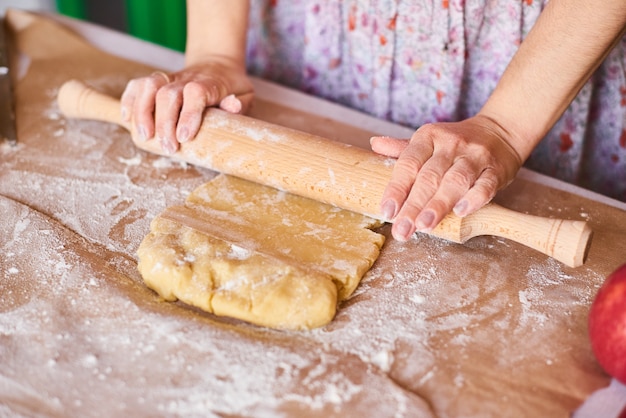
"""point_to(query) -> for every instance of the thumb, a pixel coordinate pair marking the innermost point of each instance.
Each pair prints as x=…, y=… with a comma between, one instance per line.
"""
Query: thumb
x=388, y=146
x=237, y=103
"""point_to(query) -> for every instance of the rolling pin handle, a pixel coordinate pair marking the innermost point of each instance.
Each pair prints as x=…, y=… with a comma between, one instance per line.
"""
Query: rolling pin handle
x=77, y=100
x=567, y=241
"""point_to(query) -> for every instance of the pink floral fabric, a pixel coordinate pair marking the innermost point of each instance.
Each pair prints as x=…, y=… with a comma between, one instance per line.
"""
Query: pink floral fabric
x=419, y=61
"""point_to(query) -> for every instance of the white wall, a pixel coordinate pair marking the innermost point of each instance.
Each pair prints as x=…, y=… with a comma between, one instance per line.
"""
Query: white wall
x=48, y=5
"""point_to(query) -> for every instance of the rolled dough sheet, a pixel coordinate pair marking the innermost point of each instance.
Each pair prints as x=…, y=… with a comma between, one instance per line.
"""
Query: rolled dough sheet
x=252, y=252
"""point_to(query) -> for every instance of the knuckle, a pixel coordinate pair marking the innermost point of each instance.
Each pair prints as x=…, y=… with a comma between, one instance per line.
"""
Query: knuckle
x=478, y=197
x=428, y=129
x=496, y=177
x=194, y=97
x=459, y=179
x=483, y=194
x=151, y=83
x=396, y=190
x=405, y=173
x=490, y=181
x=442, y=133
x=429, y=178
x=407, y=164
x=484, y=154
x=194, y=89
x=167, y=94
x=485, y=189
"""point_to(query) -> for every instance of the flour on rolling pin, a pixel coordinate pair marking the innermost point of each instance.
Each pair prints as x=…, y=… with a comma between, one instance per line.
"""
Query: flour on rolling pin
x=338, y=174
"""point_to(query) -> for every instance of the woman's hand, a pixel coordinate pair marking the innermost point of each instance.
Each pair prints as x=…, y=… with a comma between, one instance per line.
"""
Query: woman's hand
x=460, y=166
x=445, y=167
x=170, y=106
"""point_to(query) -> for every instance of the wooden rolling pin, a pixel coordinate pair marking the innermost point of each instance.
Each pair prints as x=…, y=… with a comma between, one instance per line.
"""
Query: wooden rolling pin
x=328, y=171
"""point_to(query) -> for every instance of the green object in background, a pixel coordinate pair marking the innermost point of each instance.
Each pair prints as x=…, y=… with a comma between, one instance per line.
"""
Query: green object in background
x=160, y=21
x=163, y=22
x=72, y=8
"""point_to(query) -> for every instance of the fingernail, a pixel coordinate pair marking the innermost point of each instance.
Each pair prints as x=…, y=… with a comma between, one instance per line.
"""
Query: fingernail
x=461, y=208
x=124, y=114
x=388, y=209
x=376, y=137
x=425, y=220
x=141, y=130
x=183, y=135
x=403, y=230
x=167, y=146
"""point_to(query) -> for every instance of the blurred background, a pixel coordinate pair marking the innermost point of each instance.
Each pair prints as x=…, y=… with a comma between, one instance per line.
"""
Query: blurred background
x=159, y=21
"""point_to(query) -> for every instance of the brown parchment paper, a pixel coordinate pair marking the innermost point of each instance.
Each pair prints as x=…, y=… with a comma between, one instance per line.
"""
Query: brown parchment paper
x=485, y=329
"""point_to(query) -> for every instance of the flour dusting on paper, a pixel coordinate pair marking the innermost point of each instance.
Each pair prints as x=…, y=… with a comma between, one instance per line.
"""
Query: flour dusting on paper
x=77, y=198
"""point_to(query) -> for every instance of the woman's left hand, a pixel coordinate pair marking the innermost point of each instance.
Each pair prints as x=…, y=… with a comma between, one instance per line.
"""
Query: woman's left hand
x=455, y=166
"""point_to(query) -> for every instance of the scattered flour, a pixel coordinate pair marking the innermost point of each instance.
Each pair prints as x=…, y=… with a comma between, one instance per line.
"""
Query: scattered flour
x=82, y=336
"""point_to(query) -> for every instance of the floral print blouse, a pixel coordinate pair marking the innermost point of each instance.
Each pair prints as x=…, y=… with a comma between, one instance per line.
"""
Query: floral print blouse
x=419, y=61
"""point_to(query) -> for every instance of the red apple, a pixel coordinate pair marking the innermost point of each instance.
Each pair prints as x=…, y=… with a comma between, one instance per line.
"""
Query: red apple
x=607, y=325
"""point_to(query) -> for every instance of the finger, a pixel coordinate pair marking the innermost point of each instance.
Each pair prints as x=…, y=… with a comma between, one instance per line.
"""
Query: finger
x=144, y=105
x=453, y=185
x=481, y=193
x=168, y=102
x=194, y=103
x=213, y=93
x=403, y=176
x=231, y=104
x=238, y=104
x=388, y=146
x=412, y=211
x=127, y=100
x=196, y=98
x=161, y=75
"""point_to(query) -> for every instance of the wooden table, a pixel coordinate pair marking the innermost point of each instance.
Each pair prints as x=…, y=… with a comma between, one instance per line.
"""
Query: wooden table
x=488, y=328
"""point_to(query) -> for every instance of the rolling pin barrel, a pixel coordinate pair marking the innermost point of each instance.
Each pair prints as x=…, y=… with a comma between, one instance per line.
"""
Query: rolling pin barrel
x=294, y=161
x=327, y=171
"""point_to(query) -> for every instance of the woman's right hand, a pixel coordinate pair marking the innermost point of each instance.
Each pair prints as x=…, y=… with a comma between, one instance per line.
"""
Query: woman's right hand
x=170, y=107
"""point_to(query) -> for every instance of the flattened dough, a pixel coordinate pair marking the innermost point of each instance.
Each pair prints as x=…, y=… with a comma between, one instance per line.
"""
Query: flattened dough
x=251, y=252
